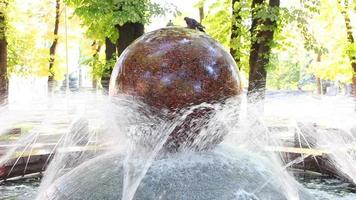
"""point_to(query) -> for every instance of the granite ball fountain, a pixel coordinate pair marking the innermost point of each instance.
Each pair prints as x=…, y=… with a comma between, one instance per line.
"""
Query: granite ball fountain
x=183, y=78
x=173, y=69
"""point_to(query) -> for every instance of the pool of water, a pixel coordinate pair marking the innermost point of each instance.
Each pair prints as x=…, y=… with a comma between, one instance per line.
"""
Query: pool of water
x=321, y=188
x=21, y=189
x=328, y=188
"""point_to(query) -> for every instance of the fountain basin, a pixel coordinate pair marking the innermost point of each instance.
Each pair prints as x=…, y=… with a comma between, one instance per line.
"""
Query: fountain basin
x=222, y=174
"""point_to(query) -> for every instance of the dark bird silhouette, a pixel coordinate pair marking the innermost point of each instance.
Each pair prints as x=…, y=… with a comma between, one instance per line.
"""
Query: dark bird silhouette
x=170, y=23
x=193, y=24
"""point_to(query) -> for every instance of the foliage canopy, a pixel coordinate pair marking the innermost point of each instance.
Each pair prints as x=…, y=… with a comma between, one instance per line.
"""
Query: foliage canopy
x=102, y=16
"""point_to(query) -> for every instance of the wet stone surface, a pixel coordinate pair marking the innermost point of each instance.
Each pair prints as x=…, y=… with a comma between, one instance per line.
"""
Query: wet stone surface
x=174, y=68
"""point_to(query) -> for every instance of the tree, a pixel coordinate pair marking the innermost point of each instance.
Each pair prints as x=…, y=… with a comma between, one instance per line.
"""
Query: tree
x=115, y=22
x=240, y=36
x=110, y=57
x=264, y=23
x=318, y=80
x=3, y=53
x=219, y=12
x=235, y=31
x=128, y=32
x=29, y=35
x=344, y=8
x=30, y=28
x=96, y=46
x=110, y=49
x=331, y=54
x=52, y=49
x=200, y=6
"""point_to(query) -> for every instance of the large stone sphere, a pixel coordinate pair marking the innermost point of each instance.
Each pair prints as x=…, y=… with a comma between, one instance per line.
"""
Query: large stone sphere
x=172, y=69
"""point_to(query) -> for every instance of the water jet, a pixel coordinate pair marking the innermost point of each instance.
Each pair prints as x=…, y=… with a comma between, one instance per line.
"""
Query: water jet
x=184, y=79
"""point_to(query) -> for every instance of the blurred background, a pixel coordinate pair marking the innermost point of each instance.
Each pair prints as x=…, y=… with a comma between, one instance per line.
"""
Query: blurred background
x=55, y=45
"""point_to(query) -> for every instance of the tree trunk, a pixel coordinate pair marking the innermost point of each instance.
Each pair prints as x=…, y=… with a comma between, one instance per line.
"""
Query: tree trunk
x=128, y=33
x=351, y=40
x=319, y=86
x=235, y=21
x=260, y=51
x=318, y=80
x=52, y=49
x=201, y=13
x=354, y=81
x=110, y=49
x=96, y=46
x=3, y=60
x=110, y=52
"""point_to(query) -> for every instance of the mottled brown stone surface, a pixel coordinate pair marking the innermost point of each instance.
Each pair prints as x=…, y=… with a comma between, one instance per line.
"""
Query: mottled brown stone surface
x=174, y=68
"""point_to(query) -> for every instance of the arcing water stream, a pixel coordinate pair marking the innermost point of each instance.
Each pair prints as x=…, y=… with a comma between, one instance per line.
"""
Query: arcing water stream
x=98, y=132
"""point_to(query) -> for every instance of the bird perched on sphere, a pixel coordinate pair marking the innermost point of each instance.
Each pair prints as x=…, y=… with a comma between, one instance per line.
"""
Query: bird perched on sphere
x=170, y=23
x=193, y=24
